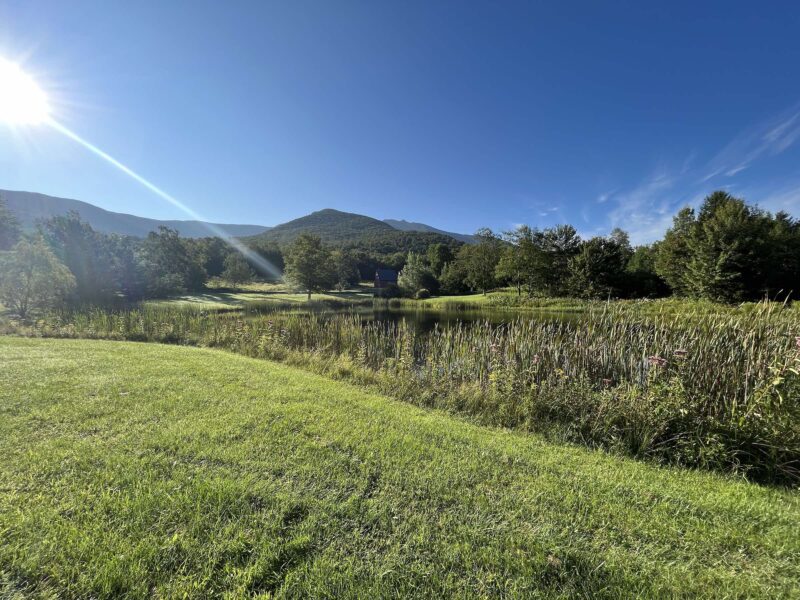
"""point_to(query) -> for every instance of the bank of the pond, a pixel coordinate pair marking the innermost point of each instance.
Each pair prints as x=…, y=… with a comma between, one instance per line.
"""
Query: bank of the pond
x=719, y=392
x=148, y=470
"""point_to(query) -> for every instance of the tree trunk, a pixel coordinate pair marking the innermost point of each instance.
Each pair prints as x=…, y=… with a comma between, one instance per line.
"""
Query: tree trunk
x=309, y=295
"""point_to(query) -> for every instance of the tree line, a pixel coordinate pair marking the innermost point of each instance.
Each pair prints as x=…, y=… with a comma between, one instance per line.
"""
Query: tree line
x=725, y=251
x=65, y=261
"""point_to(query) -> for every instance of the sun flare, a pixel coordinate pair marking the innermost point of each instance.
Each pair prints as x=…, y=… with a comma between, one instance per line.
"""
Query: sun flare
x=22, y=102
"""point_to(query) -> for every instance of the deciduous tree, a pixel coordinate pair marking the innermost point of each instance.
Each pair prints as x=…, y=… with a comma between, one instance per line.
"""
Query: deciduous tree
x=32, y=278
x=308, y=264
x=236, y=269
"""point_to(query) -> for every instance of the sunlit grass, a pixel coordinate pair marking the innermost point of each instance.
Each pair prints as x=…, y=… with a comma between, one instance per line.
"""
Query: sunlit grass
x=159, y=471
x=220, y=295
x=711, y=390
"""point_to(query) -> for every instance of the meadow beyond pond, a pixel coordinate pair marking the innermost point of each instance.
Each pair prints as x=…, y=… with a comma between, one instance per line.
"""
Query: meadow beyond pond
x=717, y=390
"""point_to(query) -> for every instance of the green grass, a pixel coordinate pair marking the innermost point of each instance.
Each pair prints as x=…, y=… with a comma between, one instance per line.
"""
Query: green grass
x=508, y=299
x=166, y=471
x=220, y=297
x=699, y=392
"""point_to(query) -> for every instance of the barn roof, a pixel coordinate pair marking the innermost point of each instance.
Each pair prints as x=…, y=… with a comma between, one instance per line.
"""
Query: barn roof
x=386, y=274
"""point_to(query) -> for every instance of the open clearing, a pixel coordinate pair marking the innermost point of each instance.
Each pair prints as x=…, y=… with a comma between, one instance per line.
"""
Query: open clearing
x=144, y=469
x=218, y=296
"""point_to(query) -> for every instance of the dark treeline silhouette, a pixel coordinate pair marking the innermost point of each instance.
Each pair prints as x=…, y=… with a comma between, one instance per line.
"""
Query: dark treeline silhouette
x=726, y=251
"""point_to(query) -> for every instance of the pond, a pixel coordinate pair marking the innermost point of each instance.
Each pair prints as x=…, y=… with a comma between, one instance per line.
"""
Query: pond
x=426, y=320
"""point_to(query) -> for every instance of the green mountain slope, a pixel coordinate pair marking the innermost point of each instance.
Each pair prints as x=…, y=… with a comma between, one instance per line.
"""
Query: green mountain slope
x=333, y=226
x=403, y=225
x=124, y=476
x=349, y=229
x=30, y=207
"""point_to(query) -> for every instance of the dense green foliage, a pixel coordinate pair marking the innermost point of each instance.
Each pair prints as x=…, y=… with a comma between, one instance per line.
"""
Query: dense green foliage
x=416, y=276
x=730, y=251
x=718, y=391
x=33, y=278
x=108, y=269
x=309, y=265
x=236, y=270
x=332, y=226
x=480, y=260
x=345, y=266
x=371, y=243
x=91, y=257
x=599, y=268
x=123, y=477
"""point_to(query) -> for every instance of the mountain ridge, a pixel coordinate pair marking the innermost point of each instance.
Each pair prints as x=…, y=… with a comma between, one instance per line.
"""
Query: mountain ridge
x=30, y=207
x=330, y=224
x=403, y=225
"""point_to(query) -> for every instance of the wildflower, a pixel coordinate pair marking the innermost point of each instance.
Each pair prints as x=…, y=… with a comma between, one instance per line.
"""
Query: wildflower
x=680, y=353
x=657, y=361
x=536, y=358
x=607, y=382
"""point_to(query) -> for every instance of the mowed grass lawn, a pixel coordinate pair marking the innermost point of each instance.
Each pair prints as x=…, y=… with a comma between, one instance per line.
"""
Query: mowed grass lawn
x=220, y=297
x=148, y=470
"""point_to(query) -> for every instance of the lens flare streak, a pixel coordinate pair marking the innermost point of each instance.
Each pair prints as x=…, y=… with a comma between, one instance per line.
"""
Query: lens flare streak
x=262, y=264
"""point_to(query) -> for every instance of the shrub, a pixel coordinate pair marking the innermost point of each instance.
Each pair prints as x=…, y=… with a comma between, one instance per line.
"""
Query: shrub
x=391, y=290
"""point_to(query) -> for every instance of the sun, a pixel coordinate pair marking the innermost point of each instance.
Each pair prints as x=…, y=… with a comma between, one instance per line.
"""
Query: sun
x=22, y=102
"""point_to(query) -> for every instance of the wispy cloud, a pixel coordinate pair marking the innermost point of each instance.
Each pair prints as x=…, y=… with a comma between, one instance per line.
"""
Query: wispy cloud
x=786, y=198
x=546, y=212
x=646, y=209
x=605, y=196
x=768, y=138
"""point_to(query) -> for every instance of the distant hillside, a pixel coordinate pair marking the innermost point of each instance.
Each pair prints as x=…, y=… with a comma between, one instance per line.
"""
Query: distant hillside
x=349, y=229
x=411, y=226
x=331, y=225
x=30, y=207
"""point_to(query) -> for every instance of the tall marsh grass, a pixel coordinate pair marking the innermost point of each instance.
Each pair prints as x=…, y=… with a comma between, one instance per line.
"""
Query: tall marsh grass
x=717, y=390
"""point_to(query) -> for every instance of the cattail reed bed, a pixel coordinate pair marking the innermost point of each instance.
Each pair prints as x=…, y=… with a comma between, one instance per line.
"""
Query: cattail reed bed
x=718, y=391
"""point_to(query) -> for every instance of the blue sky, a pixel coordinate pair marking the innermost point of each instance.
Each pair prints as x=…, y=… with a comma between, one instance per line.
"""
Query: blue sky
x=457, y=114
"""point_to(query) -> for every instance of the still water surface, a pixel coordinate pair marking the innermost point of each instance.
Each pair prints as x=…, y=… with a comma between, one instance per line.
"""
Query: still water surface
x=426, y=320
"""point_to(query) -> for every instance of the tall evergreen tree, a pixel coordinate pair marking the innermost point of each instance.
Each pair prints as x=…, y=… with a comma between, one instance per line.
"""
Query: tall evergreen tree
x=672, y=253
x=728, y=248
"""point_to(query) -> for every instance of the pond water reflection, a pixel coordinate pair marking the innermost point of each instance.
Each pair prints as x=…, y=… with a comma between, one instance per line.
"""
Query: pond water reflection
x=425, y=320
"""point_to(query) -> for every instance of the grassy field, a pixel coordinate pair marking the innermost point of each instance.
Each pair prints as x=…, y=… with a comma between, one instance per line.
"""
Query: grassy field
x=698, y=392
x=507, y=298
x=167, y=471
x=219, y=296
